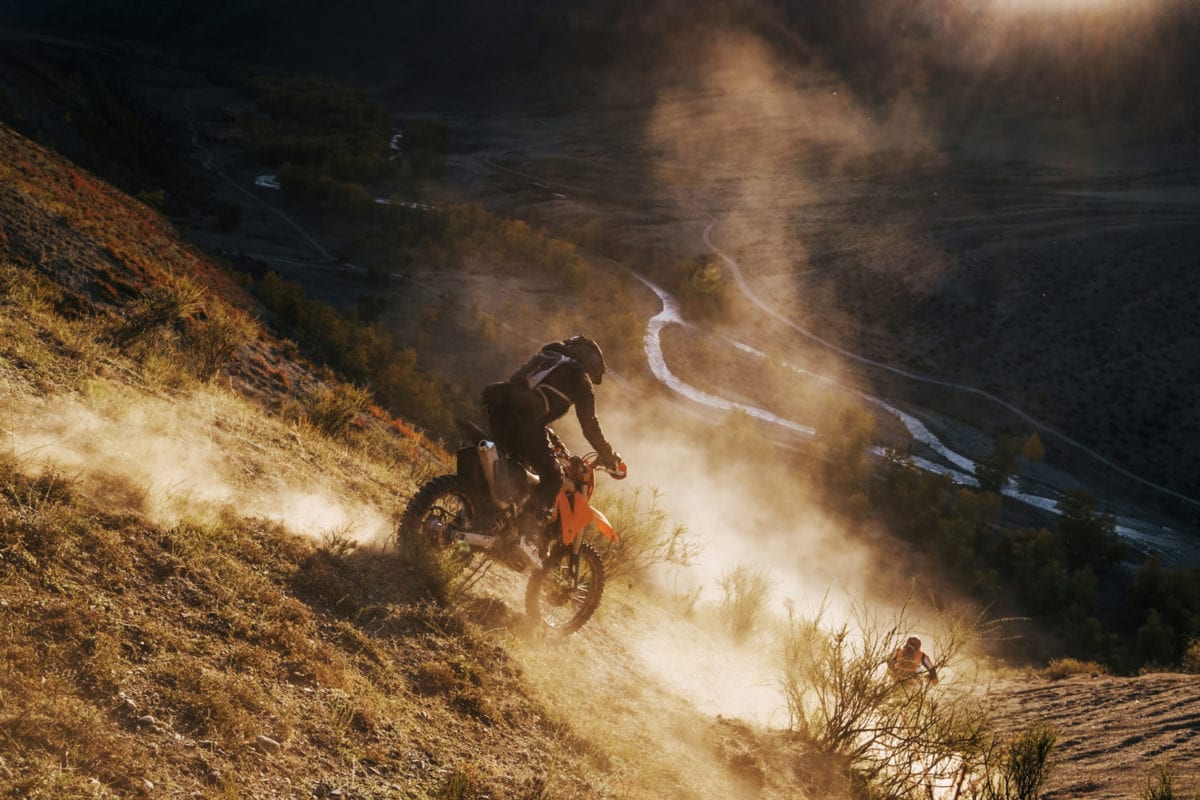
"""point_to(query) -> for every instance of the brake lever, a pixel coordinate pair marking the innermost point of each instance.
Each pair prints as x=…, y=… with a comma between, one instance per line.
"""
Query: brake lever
x=620, y=473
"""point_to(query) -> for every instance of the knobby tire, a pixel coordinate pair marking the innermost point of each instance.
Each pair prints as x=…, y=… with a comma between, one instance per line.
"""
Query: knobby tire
x=553, y=585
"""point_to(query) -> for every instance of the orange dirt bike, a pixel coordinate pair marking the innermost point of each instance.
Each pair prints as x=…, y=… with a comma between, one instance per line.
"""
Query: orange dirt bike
x=476, y=510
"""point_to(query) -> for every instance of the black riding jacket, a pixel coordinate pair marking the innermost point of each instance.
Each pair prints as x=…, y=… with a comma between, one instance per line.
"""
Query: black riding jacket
x=561, y=382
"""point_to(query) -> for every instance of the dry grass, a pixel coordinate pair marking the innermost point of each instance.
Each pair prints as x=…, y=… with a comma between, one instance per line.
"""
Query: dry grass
x=230, y=631
x=1060, y=668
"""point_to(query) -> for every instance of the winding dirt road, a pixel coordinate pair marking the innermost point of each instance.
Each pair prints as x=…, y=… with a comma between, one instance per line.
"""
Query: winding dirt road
x=745, y=289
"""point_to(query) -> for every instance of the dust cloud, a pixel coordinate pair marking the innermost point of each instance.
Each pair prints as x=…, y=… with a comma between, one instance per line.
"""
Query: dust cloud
x=185, y=460
x=767, y=140
x=760, y=145
x=751, y=143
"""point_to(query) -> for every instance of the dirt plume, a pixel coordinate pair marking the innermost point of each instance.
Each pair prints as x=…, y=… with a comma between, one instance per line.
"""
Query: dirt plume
x=187, y=459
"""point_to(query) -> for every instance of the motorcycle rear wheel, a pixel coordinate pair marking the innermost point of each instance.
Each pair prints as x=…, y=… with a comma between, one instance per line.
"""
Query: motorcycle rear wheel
x=437, y=512
x=566, y=591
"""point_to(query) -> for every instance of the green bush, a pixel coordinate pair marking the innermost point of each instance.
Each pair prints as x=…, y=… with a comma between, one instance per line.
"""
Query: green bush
x=362, y=353
x=1171, y=600
x=320, y=123
x=702, y=285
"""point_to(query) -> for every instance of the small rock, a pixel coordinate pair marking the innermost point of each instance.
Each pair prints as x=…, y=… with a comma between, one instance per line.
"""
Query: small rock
x=213, y=777
x=267, y=744
x=147, y=720
x=147, y=785
x=130, y=706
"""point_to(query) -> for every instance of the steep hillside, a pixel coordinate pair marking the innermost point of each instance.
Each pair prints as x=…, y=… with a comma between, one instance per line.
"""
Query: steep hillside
x=183, y=610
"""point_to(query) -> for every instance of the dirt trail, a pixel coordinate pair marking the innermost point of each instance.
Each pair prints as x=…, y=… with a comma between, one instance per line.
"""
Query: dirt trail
x=1112, y=731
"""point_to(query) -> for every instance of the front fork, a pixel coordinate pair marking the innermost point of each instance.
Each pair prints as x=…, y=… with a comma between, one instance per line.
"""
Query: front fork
x=573, y=562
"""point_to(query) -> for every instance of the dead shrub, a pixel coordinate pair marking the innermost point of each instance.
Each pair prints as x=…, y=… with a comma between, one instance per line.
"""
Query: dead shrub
x=745, y=593
x=155, y=311
x=212, y=703
x=55, y=726
x=434, y=677
x=215, y=337
x=895, y=738
x=462, y=784
x=331, y=409
x=1023, y=766
x=648, y=536
x=1060, y=668
x=1161, y=785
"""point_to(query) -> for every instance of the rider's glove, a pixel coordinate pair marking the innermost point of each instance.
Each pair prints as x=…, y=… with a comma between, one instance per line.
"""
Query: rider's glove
x=613, y=461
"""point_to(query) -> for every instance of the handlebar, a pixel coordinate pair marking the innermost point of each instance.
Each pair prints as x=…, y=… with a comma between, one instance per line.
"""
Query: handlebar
x=590, y=461
x=620, y=472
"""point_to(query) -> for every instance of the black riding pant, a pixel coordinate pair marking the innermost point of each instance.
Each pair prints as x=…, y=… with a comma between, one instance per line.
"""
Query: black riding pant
x=518, y=426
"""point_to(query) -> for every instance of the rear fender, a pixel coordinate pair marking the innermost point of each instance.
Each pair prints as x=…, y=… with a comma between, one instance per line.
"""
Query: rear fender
x=470, y=468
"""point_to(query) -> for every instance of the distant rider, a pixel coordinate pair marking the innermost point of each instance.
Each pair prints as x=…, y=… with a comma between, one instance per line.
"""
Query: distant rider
x=909, y=661
x=519, y=410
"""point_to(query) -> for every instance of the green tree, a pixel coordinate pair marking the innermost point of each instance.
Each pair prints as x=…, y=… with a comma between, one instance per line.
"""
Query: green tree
x=1156, y=640
x=1088, y=537
x=1000, y=464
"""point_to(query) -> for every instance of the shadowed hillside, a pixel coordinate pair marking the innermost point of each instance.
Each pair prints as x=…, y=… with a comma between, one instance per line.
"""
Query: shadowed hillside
x=960, y=56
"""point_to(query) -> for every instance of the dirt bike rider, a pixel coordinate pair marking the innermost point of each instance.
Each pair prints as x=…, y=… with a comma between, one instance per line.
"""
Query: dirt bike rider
x=909, y=661
x=521, y=409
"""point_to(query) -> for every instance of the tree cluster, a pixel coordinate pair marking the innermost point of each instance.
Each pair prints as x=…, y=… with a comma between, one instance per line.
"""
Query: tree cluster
x=1067, y=577
x=364, y=354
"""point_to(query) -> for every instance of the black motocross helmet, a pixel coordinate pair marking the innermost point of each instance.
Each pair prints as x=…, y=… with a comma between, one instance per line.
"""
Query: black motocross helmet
x=589, y=355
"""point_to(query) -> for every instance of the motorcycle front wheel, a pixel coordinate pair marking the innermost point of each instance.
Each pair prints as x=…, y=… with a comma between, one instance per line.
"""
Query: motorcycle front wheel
x=566, y=591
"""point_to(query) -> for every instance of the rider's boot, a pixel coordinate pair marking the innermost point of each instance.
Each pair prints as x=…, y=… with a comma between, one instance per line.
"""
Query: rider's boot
x=531, y=525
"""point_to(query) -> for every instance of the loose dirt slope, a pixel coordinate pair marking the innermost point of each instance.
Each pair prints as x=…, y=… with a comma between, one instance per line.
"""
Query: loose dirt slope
x=1113, y=731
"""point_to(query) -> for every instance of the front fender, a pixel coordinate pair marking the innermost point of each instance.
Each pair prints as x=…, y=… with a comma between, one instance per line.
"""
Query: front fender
x=604, y=525
x=574, y=514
